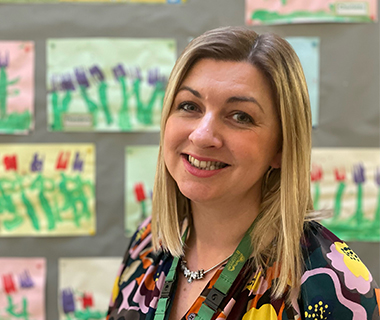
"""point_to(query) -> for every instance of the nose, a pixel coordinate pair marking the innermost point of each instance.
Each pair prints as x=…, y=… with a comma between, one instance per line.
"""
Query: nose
x=207, y=132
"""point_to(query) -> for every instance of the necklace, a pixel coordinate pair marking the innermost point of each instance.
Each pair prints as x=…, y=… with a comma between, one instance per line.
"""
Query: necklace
x=199, y=274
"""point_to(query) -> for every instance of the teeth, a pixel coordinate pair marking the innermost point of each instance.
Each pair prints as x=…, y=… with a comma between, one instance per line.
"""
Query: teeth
x=205, y=165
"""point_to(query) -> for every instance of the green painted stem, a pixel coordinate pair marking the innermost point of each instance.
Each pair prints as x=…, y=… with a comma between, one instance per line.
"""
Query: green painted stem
x=66, y=101
x=359, y=205
x=59, y=110
x=81, y=197
x=3, y=92
x=140, y=106
x=4, y=84
x=48, y=210
x=338, y=200
x=143, y=209
x=124, y=121
x=89, y=315
x=148, y=113
x=39, y=183
x=91, y=106
x=69, y=198
x=57, y=123
x=11, y=307
x=102, y=90
x=28, y=205
x=316, y=196
x=6, y=200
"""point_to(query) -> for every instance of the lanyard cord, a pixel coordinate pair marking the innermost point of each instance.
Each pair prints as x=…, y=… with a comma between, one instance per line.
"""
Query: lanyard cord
x=167, y=290
x=220, y=289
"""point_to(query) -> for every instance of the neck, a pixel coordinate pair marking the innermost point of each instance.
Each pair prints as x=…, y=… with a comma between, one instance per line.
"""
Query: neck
x=217, y=231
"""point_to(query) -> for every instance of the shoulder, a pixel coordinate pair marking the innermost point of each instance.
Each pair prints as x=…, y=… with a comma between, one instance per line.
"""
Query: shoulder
x=140, y=241
x=335, y=281
x=140, y=277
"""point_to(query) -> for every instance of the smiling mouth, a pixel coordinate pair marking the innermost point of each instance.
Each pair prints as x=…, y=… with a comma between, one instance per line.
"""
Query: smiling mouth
x=205, y=165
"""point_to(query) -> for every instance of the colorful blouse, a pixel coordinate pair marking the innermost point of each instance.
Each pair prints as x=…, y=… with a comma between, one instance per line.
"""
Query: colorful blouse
x=336, y=285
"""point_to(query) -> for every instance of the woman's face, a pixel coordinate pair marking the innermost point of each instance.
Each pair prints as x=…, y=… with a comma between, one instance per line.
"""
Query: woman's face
x=222, y=133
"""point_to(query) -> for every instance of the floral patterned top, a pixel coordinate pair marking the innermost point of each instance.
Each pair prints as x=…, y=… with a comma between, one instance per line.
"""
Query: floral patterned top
x=336, y=285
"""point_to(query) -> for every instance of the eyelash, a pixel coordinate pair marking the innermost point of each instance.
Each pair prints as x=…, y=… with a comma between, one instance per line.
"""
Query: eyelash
x=248, y=119
x=183, y=106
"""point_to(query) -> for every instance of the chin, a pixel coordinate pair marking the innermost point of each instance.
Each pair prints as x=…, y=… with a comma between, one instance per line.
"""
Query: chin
x=197, y=193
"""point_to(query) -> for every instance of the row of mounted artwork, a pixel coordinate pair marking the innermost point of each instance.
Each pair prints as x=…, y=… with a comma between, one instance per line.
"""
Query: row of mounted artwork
x=49, y=189
x=23, y=287
x=108, y=85
x=277, y=11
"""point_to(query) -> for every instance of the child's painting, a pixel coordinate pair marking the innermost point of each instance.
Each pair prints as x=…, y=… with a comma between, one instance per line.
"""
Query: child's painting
x=300, y=11
x=107, y=84
x=47, y=189
x=22, y=288
x=85, y=287
x=16, y=87
x=347, y=182
x=140, y=169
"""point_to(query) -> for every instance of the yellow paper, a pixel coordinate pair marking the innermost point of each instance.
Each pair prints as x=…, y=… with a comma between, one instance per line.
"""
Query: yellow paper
x=47, y=189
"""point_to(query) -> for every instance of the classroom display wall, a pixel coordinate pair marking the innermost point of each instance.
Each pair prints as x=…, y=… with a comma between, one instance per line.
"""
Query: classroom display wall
x=348, y=116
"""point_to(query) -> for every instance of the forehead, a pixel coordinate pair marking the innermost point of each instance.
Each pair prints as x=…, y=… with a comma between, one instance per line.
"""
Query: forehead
x=226, y=74
x=221, y=80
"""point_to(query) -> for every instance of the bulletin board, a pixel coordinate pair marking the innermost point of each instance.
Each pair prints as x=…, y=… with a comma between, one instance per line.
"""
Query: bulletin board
x=347, y=117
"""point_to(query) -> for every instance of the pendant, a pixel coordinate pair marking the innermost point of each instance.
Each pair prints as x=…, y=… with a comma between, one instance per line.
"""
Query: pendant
x=191, y=275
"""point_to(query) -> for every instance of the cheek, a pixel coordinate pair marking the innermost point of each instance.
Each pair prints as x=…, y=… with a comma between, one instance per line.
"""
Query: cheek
x=171, y=140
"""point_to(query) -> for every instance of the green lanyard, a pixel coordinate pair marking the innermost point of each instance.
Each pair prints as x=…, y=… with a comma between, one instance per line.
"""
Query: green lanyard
x=220, y=289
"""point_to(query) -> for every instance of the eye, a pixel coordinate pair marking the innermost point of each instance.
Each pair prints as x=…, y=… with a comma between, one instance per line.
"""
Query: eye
x=242, y=117
x=187, y=106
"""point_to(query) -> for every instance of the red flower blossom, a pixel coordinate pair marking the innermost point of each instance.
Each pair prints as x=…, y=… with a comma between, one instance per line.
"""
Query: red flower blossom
x=340, y=175
x=316, y=173
x=139, y=192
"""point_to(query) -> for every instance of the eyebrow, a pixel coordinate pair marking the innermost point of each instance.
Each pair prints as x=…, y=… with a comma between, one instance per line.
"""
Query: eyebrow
x=194, y=92
x=245, y=99
x=229, y=100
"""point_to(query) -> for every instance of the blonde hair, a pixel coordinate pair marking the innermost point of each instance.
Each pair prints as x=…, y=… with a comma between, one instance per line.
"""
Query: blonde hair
x=285, y=192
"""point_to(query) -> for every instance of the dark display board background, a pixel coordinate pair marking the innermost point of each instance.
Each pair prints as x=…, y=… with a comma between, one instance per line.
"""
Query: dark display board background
x=348, y=117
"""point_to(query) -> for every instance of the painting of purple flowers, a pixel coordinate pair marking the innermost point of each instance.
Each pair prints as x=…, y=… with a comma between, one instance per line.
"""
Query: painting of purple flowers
x=107, y=85
x=81, y=296
x=22, y=288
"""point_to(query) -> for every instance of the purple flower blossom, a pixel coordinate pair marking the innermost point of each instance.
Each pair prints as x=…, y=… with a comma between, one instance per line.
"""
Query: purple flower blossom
x=26, y=280
x=136, y=73
x=81, y=77
x=377, y=176
x=78, y=163
x=119, y=71
x=68, y=303
x=54, y=83
x=97, y=73
x=359, y=173
x=36, y=164
x=154, y=77
x=67, y=83
x=4, y=62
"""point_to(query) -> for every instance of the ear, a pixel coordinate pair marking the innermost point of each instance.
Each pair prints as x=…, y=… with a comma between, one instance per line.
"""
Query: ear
x=276, y=161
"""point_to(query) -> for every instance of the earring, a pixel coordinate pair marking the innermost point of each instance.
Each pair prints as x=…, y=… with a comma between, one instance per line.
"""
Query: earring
x=270, y=170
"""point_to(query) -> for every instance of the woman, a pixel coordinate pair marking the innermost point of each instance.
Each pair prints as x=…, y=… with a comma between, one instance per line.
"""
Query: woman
x=232, y=195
